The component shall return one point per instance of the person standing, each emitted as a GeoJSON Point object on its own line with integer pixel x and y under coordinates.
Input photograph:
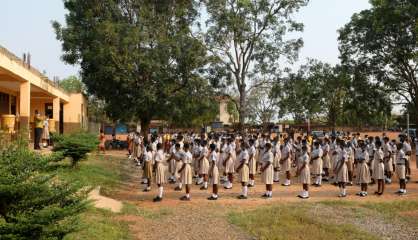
{"type": "Point", "coordinates": [39, 125]}
{"type": "Point", "coordinates": [186, 171]}
{"type": "Point", "coordinates": [401, 169]}
{"type": "Point", "coordinates": [214, 172]}
{"type": "Point", "coordinates": [159, 158]}
{"type": "Point", "coordinates": [267, 170]}
{"type": "Point", "coordinates": [363, 173]}
{"type": "Point", "coordinates": [303, 172]}
{"type": "Point", "coordinates": [243, 169]}
{"type": "Point", "coordinates": [379, 168]}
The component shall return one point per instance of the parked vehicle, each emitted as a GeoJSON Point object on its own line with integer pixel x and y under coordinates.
{"type": "Point", "coordinates": [116, 136]}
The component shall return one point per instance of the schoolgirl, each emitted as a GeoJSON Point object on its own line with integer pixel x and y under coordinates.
{"type": "Point", "coordinates": [303, 172]}
{"type": "Point", "coordinates": [213, 171]}
{"type": "Point", "coordinates": [267, 170]}
{"type": "Point", "coordinates": [363, 173]}
{"type": "Point", "coordinates": [316, 159]}
{"type": "Point", "coordinates": [159, 158]}
{"type": "Point", "coordinates": [243, 169]}
{"type": "Point", "coordinates": [379, 168]}
{"type": "Point", "coordinates": [147, 168]}
{"type": "Point", "coordinates": [186, 171]}
{"type": "Point", "coordinates": [340, 168]}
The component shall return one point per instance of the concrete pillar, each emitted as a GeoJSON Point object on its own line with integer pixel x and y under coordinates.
{"type": "Point", "coordinates": [56, 112]}
{"type": "Point", "coordinates": [24, 106]}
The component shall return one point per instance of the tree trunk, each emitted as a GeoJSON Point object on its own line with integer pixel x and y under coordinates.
{"type": "Point", "coordinates": [242, 108]}
{"type": "Point", "coordinates": [145, 128]}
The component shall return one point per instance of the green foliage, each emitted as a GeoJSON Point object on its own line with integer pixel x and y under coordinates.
{"type": "Point", "coordinates": [75, 145]}
{"type": "Point", "coordinates": [138, 55]}
{"type": "Point", "coordinates": [72, 84]}
{"type": "Point", "coordinates": [381, 42]}
{"type": "Point", "coordinates": [247, 40]}
{"type": "Point", "coordinates": [35, 204]}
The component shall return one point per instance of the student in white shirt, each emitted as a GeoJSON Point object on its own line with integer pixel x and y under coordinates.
{"type": "Point", "coordinates": [401, 169]}
{"type": "Point", "coordinates": [243, 169]}
{"type": "Point", "coordinates": [213, 171]}
{"type": "Point", "coordinates": [186, 171]}
{"type": "Point", "coordinates": [159, 158]}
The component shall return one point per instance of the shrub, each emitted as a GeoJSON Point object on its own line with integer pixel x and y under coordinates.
{"type": "Point", "coordinates": [34, 203]}
{"type": "Point", "coordinates": [75, 145]}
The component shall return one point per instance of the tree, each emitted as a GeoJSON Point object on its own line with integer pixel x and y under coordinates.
{"type": "Point", "coordinates": [262, 106]}
{"type": "Point", "coordinates": [72, 84]}
{"type": "Point", "coordinates": [138, 56]}
{"type": "Point", "coordinates": [382, 42]}
{"type": "Point", "coordinates": [246, 41]}
{"type": "Point", "coordinates": [34, 203]}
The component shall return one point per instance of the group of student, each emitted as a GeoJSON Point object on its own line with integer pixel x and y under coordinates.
{"type": "Point", "coordinates": [215, 159]}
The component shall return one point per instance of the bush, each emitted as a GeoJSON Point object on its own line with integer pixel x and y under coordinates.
{"type": "Point", "coordinates": [75, 146]}
{"type": "Point", "coordinates": [34, 203]}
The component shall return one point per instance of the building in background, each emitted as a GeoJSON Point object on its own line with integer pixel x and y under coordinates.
{"type": "Point", "coordinates": [24, 89]}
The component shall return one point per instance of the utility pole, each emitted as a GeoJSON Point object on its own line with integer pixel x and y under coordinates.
{"type": "Point", "coordinates": [407, 125]}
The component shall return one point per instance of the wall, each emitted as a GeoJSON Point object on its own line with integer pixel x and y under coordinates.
{"type": "Point", "coordinates": [75, 113]}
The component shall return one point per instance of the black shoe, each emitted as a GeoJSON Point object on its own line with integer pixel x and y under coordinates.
{"type": "Point", "coordinates": [212, 198]}
{"type": "Point", "coordinates": [203, 188]}
{"type": "Point", "coordinates": [264, 195]}
{"type": "Point", "coordinates": [249, 185]}
{"type": "Point", "coordinates": [157, 199]}
{"type": "Point", "coordinates": [242, 197]}
{"type": "Point", "coordinates": [228, 187]}
{"type": "Point", "coordinates": [184, 198]}
{"type": "Point", "coordinates": [146, 190]}
{"type": "Point", "coordinates": [177, 189]}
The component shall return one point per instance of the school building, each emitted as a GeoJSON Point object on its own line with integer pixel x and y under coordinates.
{"type": "Point", "coordinates": [23, 89]}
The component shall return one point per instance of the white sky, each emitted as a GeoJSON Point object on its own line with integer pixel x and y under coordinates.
{"type": "Point", "coordinates": [26, 27]}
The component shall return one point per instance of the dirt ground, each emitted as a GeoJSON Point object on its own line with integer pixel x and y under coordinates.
{"type": "Point", "coordinates": [203, 219]}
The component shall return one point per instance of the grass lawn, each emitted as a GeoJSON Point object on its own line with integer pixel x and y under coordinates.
{"type": "Point", "coordinates": [104, 171]}
{"type": "Point", "coordinates": [325, 220]}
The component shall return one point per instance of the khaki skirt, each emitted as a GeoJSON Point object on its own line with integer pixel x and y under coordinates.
{"type": "Point", "coordinates": [389, 165]}
{"type": "Point", "coordinates": [187, 175]}
{"type": "Point", "coordinates": [267, 175]}
{"type": "Point", "coordinates": [400, 171]}
{"type": "Point", "coordinates": [160, 174]}
{"type": "Point", "coordinates": [317, 166]}
{"type": "Point", "coordinates": [350, 164]}
{"type": "Point", "coordinates": [342, 175]}
{"type": "Point", "coordinates": [286, 165]}
{"type": "Point", "coordinates": [214, 176]}
{"type": "Point", "coordinates": [305, 176]}
{"type": "Point", "coordinates": [244, 174]}
{"type": "Point", "coordinates": [172, 166]}
{"type": "Point", "coordinates": [379, 171]}
{"type": "Point", "coordinates": [147, 169]}
{"type": "Point", "coordinates": [204, 166]}
{"type": "Point", "coordinates": [196, 164]}
{"type": "Point", "coordinates": [253, 166]}
{"type": "Point", "coordinates": [178, 166]}
{"type": "Point", "coordinates": [230, 166]}
{"type": "Point", "coordinates": [276, 163]}
{"type": "Point", "coordinates": [363, 173]}
{"type": "Point", "coordinates": [327, 162]}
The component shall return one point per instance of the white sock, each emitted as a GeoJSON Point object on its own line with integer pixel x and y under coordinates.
{"type": "Point", "coordinates": [344, 191]}
{"type": "Point", "coordinates": [245, 190]}
{"type": "Point", "coordinates": [270, 193]}
{"type": "Point", "coordinates": [306, 194]}
{"type": "Point", "coordinates": [205, 184]}
{"type": "Point", "coordinates": [214, 195]}
{"type": "Point", "coordinates": [180, 185]}
{"type": "Point", "coordinates": [160, 192]}
{"type": "Point", "coordinates": [276, 176]}
{"type": "Point", "coordinates": [252, 182]}
{"type": "Point", "coordinates": [320, 179]}
{"type": "Point", "coordinates": [187, 195]}
{"type": "Point", "coordinates": [145, 180]}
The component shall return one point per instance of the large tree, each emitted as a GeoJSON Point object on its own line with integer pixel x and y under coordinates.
{"type": "Point", "coordinates": [247, 42]}
{"type": "Point", "coordinates": [139, 56]}
{"type": "Point", "coordinates": [382, 42]}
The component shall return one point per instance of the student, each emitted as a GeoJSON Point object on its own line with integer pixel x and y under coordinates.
{"type": "Point", "coordinates": [363, 173]}
{"type": "Point", "coordinates": [102, 141]}
{"type": "Point", "coordinates": [316, 158]}
{"type": "Point", "coordinates": [213, 171]}
{"type": "Point", "coordinates": [147, 168]}
{"type": "Point", "coordinates": [243, 169]}
{"type": "Point", "coordinates": [350, 162]}
{"type": "Point", "coordinates": [387, 159]}
{"type": "Point", "coordinates": [172, 162]}
{"type": "Point", "coordinates": [407, 150]}
{"type": "Point", "coordinates": [229, 164]}
{"type": "Point", "coordinates": [303, 172]}
{"type": "Point", "coordinates": [252, 163]}
{"type": "Point", "coordinates": [379, 168]}
{"type": "Point", "coordinates": [222, 156]}
{"type": "Point", "coordinates": [286, 161]}
{"type": "Point", "coordinates": [204, 165]}
{"type": "Point", "coordinates": [371, 149]}
{"type": "Point", "coordinates": [340, 168]}
{"type": "Point", "coordinates": [186, 171]}
{"type": "Point", "coordinates": [326, 159]}
{"type": "Point", "coordinates": [159, 171]}
{"type": "Point", "coordinates": [196, 153]}
{"type": "Point", "coordinates": [276, 162]}
{"type": "Point", "coordinates": [401, 169]}
{"type": "Point", "coordinates": [267, 170]}
{"type": "Point", "coordinates": [178, 156]}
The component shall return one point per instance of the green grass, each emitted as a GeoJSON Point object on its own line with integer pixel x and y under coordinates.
{"type": "Point", "coordinates": [130, 209]}
{"type": "Point", "coordinates": [100, 224]}
{"type": "Point", "coordinates": [292, 222]}
{"type": "Point", "coordinates": [396, 209]}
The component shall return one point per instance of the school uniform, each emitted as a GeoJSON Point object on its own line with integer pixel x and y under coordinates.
{"type": "Point", "coordinates": [230, 164]}
{"type": "Point", "coordinates": [267, 175]}
{"type": "Point", "coordinates": [159, 158]}
{"type": "Point", "coordinates": [178, 163]}
{"type": "Point", "coordinates": [379, 166]}
{"type": "Point", "coordinates": [187, 172]}
{"type": "Point", "coordinates": [334, 151]}
{"type": "Point", "coordinates": [172, 163]}
{"type": "Point", "coordinates": [244, 171]}
{"type": "Point", "coordinates": [387, 152]}
{"type": "Point", "coordinates": [286, 158]}
{"type": "Point", "coordinates": [252, 160]}
{"type": "Point", "coordinates": [341, 162]}
{"type": "Point", "coordinates": [350, 160]}
{"type": "Point", "coordinates": [204, 162]}
{"type": "Point", "coordinates": [326, 158]}
{"type": "Point", "coordinates": [371, 149]}
{"type": "Point", "coordinates": [305, 174]}
{"type": "Point", "coordinates": [317, 163]}
{"type": "Point", "coordinates": [196, 153]}
{"type": "Point", "coordinates": [363, 173]}
{"type": "Point", "coordinates": [277, 156]}
{"type": "Point", "coordinates": [147, 165]}
{"type": "Point", "coordinates": [400, 164]}
{"type": "Point", "coordinates": [213, 159]}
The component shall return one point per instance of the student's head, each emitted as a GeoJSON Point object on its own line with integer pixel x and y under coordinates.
{"type": "Point", "coordinates": [304, 148]}
{"type": "Point", "coordinates": [399, 146]}
{"type": "Point", "coordinates": [245, 145]}
{"type": "Point", "coordinates": [177, 146]}
{"type": "Point", "coordinates": [316, 144]}
{"type": "Point", "coordinates": [251, 141]}
{"type": "Point", "coordinates": [204, 143]}
{"type": "Point", "coordinates": [378, 143]}
{"type": "Point", "coordinates": [149, 149]}
{"type": "Point", "coordinates": [159, 146]}
{"type": "Point", "coordinates": [36, 112]}
{"type": "Point", "coordinates": [268, 146]}
{"type": "Point", "coordinates": [186, 146]}
{"type": "Point", "coordinates": [386, 139]}
{"type": "Point", "coordinates": [212, 147]}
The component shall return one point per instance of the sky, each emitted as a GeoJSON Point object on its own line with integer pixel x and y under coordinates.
{"type": "Point", "coordinates": [26, 27]}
